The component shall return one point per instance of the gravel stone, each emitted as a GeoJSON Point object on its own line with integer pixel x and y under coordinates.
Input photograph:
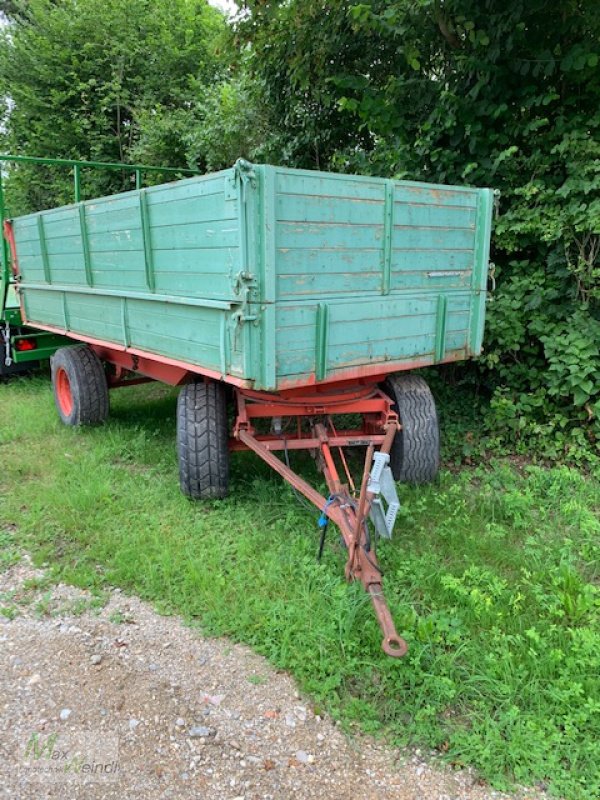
{"type": "Point", "coordinates": [200, 731]}
{"type": "Point", "coordinates": [264, 742]}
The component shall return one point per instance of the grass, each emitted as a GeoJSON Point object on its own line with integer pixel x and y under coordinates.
{"type": "Point", "coordinates": [492, 578]}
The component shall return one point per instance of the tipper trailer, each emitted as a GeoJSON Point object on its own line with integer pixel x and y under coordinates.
{"type": "Point", "coordinates": [299, 297]}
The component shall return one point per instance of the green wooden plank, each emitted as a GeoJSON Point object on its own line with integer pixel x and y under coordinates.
{"type": "Point", "coordinates": [317, 285]}
{"type": "Point", "coordinates": [103, 243]}
{"type": "Point", "coordinates": [32, 267]}
{"type": "Point", "coordinates": [312, 235]}
{"type": "Point", "coordinates": [435, 281]}
{"type": "Point", "coordinates": [295, 337]}
{"type": "Point", "coordinates": [328, 285]}
{"type": "Point", "coordinates": [300, 363]}
{"type": "Point", "coordinates": [102, 292]}
{"type": "Point", "coordinates": [312, 208]}
{"type": "Point", "coordinates": [378, 308]}
{"type": "Point", "coordinates": [435, 216]}
{"type": "Point", "coordinates": [430, 260]}
{"type": "Point", "coordinates": [196, 235]}
{"type": "Point", "coordinates": [301, 261]}
{"type": "Point", "coordinates": [328, 185]}
{"type": "Point", "coordinates": [164, 193]}
{"type": "Point", "coordinates": [45, 307]}
{"type": "Point", "coordinates": [427, 194]}
{"type": "Point", "coordinates": [195, 285]}
{"type": "Point", "coordinates": [433, 238]}
{"type": "Point", "coordinates": [199, 185]}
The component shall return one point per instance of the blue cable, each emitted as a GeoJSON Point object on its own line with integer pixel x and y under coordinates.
{"type": "Point", "coordinates": [324, 519]}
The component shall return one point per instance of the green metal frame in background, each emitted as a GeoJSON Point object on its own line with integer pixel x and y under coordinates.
{"type": "Point", "coordinates": [12, 315]}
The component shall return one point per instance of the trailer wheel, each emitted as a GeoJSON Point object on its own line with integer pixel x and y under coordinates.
{"type": "Point", "coordinates": [415, 453]}
{"type": "Point", "coordinates": [80, 387]}
{"type": "Point", "coordinates": [202, 442]}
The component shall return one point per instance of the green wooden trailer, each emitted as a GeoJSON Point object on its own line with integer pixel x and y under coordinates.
{"type": "Point", "coordinates": [267, 277]}
{"type": "Point", "coordinates": [310, 294]}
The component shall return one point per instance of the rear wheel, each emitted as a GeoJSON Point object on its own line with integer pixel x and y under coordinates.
{"type": "Point", "coordinates": [202, 442]}
{"type": "Point", "coordinates": [415, 453]}
{"type": "Point", "coordinates": [80, 387]}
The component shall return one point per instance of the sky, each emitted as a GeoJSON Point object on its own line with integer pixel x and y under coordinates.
{"type": "Point", "coordinates": [228, 6]}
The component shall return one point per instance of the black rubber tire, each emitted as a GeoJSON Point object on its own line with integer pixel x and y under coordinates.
{"type": "Point", "coordinates": [87, 383]}
{"type": "Point", "coordinates": [415, 453]}
{"type": "Point", "coordinates": [202, 441]}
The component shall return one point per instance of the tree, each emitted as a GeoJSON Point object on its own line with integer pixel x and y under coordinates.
{"type": "Point", "coordinates": [78, 74]}
{"type": "Point", "coordinates": [478, 91]}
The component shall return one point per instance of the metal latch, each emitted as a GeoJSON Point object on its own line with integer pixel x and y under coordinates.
{"type": "Point", "coordinates": [7, 351]}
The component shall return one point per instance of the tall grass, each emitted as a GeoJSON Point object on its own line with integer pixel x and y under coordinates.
{"type": "Point", "coordinates": [492, 578]}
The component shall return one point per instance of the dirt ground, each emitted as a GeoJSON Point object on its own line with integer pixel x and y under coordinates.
{"type": "Point", "coordinates": [119, 702]}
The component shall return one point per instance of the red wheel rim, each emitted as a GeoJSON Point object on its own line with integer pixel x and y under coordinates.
{"type": "Point", "coordinates": [63, 391]}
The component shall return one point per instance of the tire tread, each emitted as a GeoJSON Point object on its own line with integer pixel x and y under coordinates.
{"type": "Point", "coordinates": [88, 384]}
{"type": "Point", "coordinates": [415, 454]}
{"type": "Point", "coordinates": [202, 442]}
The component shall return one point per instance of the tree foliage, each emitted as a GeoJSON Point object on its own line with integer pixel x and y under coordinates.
{"type": "Point", "coordinates": [464, 91]}
{"type": "Point", "coordinates": [457, 91]}
{"type": "Point", "coordinates": [77, 75]}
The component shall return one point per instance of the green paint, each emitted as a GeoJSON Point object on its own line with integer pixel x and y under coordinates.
{"type": "Point", "coordinates": [483, 232]}
{"type": "Point", "coordinates": [65, 311]}
{"type": "Point", "coordinates": [440, 327]}
{"type": "Point", "coordinates": [147, 239]}
{"type": "Point", "coordinates": [43, 248]}
{"type": "Point", "coordinates": [266, 227]}
{"type": "Point", "coordinates": [125, 322]}
{"type": "Point", "coordinates": [322, 331]}
{"type": "Point", "coordinates": [46, 345]}
{"type": "Point", "coordinates": [97, 291]}
{"type": "Point", "coordinates": [388, 229]}
{"type": "Point", "coordinates": [269, 274]}
{"type": "Point", "coordinates": [85, 246]}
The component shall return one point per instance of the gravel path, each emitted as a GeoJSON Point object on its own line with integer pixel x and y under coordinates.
{"type": "Point", "coordinates": [119, 702]}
